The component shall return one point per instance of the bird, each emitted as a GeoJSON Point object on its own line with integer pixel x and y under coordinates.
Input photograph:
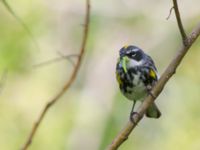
{"type": "Point", "coordinates": [136, 75]}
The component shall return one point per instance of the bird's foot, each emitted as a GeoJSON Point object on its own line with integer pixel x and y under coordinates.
{"type": "Point", "coordinates": [132, 114]}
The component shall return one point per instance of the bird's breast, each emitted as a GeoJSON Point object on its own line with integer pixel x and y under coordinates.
{"type": "Point", "coordinates": [131, 84]}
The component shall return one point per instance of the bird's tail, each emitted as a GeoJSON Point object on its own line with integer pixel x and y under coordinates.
{"type": "Point", "coordinates": [153, 111]}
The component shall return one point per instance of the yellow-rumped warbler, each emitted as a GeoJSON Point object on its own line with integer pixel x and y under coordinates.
{"type": "Point", "coordinates": [136, 74]}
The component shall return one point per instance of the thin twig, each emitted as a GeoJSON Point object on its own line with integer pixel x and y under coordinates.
{"type": "Point", "coordinates": [68, 58]}
{"type": "Point", "coordinates": [67, 85]}
{"type": "Point", "coordinates": [170, 12]}
{"type": "Point", "coordinates": [180, 25]}
{"type": "Point", "coordinates": [50, 61]}
{"type": "Point", "coordinates": [123, 135]}
{"type": "Point", "coordinates": [22, 23]}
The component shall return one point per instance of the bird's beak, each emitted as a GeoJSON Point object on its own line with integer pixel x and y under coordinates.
{"type": "Point", "coordinates": [124, 60]}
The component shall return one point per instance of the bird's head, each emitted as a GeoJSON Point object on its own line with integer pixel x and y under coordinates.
{"type": "Point", "coordinates": [130, 56]}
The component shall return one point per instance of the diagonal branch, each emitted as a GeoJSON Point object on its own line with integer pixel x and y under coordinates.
{"type": "Point", "coordinates": [67, 85]}
{"type": "Point", "coordinates": [170, 70]}
{"type": "Point", "coordinates": [180, 25]}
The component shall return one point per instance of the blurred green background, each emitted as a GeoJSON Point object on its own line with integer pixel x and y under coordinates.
{"type": "Point", "coordinates": [93, 111]}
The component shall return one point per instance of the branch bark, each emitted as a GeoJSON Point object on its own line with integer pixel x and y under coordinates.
{"type": "Point", "coordinates": [170, 70]}
{"type": "Point", "coordinates": [67, 85]}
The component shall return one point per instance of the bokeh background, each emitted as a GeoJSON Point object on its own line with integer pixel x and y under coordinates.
{"type": "Point", "coordinates": [93, 111]}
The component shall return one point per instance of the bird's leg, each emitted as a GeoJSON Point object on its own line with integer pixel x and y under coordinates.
{"type": "Point", "coordinates": [133, 113]}
{"type": "Point", "coordinates": [132, 109]}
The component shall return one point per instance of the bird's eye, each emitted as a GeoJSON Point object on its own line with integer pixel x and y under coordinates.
{"type": "Point", "coordinates": [133, 54]}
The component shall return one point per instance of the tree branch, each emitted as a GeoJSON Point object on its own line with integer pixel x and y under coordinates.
{"type": "Point", "coordinates": [180, 25]}
{"type": "Point", "coordinates": [170, 70]}
{"type": "Point", "coordinates": [67, 85]}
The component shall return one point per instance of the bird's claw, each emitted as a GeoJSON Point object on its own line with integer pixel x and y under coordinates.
{"type": "Point", "coordinates": [132, 117]}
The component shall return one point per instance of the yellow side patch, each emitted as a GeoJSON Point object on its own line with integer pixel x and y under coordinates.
{"type": "Point", "coordinates": [118, 78]}
{"type": "Point", "coordinates": [152, 73]}
{"type": "Point", "coordinates": [126, 46]}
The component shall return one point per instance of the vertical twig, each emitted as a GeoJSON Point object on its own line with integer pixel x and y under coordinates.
{"type": "Point", "coordinates": [67, 85]}
{"type": "Point", "coordinates": [180, 25]}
